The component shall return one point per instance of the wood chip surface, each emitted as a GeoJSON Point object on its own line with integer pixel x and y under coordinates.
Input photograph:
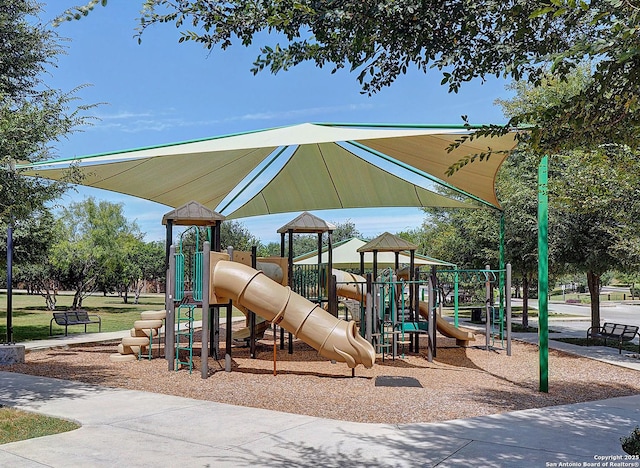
{"type": "Point", "coordinates": [459, 383]}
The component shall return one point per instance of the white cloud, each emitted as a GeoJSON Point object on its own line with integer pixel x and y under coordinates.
{"type": "Point", "coordinates": [136, 122]}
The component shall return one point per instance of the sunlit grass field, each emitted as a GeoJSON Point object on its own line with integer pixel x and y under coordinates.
{"type": "Point", "coordinates": [31, 318]}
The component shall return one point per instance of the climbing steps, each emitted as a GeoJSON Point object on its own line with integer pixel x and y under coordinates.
{"type": "Point", "coordinates": [143, 335]}
{"type": "Point", "coordinates": [184, 336]}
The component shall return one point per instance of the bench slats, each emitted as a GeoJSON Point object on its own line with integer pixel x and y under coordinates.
{"type": "Point", "coordinates": [74, 317]}
{"type": "Point", "coordinates": [617, 331]}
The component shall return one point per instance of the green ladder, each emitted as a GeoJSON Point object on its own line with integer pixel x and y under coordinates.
{"type": "Point", "coordinates": [184, 320]}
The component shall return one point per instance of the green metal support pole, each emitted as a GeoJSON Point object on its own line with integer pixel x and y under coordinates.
{"type": "Point", "coordinates": [543, 272]}
{"type": "Point", "coordinates": [455, 298]}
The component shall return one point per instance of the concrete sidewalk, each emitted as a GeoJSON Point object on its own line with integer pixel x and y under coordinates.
{"type": "Point", "coordinates": [138, 429]}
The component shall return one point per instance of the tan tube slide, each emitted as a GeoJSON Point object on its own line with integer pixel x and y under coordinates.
{"type": "Point", "coordinates": [333, 338]}
{"type": "Point", "coordinates": [349, 285]}
{"type": "Point", "coordinates": [462, 336]}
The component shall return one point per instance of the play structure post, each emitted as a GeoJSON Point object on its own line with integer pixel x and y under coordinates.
{"type": "Point", "coordinates": [416, 341]}
{"type": "Point", "coordinates": [368, 310]}
{"type": "Point", "coordinates": [507, 295]}
{"type": "Point", "coordinates": [252, 315]}
{"type": "Point", "coordinates": [501, 267]}
{"type": "Point", "coordinates": [275, 351]}
{"type": "Point", "coordinates": [543, 272]}
{"type": "Point", "coordinates": [168, 242]}
{"type": "Point", "coordinates": [169, 324]}
{"type": "Point", "coordinates": [206, 274]}
{"type": "Point", "coordinates": [455, 297]}
{"type": "Point", "coordinates": [487, 306]}
{"type": "Point", "coordinates": [228, 332]}
{"type": "Point", "coordinates": [432, 322]}
{"type": "Point", "coordinates": [227, 352]}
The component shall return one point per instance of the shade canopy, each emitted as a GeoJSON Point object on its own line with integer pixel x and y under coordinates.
{"type": "Point", "coordinates": [345, 255]}
{"type": "Point", "coordinates": [296, 168]}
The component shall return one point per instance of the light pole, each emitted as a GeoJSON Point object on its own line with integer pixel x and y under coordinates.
{"type": "Point", "coordinates": [11, 167]}
{"type": "Point", "coordinates": [10, 281]}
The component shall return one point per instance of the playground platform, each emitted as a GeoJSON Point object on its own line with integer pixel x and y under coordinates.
{"type": "Point", "coordinates": [134, 428]}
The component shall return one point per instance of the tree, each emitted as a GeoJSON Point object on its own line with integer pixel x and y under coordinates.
{"type": "Point", "coordinates": [593, 197]}
{"type": "Point", "coordinates": [33, 241]}
{"type": "Point", "coordinates": [90, 250]}
{"type": "Point", "coordinates": [463, 40]}
{"type": "Point", "coordinates": [235, 233]}
{"type": "Point", "coordinates": [517, 190]}
{"type": "Point", "coordinates": [303, 243]}
{"type": "Point", "coordinates": [593, 208]}
{"type": "Point", "coordinates": [32, 115]}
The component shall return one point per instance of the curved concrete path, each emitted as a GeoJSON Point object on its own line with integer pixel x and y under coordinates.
{"type": "Point", "coordinates": [137, 429]}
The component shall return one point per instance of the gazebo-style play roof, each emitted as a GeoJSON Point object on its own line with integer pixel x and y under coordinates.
{"type": "Point", "coordinates": [387, 242]}
{"type": "Point", "coordinates": [307, 223]}
{"type": "Point", "coordinates": [192, 214]}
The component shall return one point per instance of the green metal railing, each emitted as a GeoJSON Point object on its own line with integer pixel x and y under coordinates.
{"type": "Point", "coordinates": [197, 276]}
{"type": "Point", "coordinates": [179, 286]}
{"type": "Point", "coordinates": [310, 282]}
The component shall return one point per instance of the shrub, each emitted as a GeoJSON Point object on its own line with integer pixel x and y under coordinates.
{"type": "Point", "coordinates": [631, 444]}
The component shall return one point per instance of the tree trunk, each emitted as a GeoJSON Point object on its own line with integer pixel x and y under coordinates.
{"type": "Point", "coordinates": [593, 282]}
{"type": "Point", "coordinates": [525, 301]}
{"type": "Point", "coordinates": [77, 300]}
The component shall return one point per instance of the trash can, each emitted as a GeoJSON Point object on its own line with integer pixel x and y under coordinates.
{"type": "Point", "coordinates": [476, 314]}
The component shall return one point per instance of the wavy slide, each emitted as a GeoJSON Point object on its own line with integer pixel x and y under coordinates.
{"type": "Point", "coordinates": [333, 338]}
{"type": "Point", "coordinates": [349, 286]}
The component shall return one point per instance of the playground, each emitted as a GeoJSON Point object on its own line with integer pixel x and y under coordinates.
{"type": "Point", "coordinates": [389, 358]}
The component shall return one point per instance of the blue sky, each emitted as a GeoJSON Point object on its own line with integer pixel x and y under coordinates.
{"type": "Point", "coordinates": [160, 92]}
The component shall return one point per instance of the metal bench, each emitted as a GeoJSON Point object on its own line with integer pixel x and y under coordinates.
{"type": "Point", "coordinates": [615, 331]}
{"type": "Point", "coordinates": [74, 317]}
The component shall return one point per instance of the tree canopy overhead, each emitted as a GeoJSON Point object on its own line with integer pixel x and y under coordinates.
{"type": "Point", "coordinates": [32, 115]}
{"type": "Point", "coordinates": [462, 39]}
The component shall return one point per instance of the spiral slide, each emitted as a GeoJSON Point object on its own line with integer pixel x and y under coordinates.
{"type": "Point", "coordinates": [349, 285]}
{"type": "Point", "coordinates": [333, 338]}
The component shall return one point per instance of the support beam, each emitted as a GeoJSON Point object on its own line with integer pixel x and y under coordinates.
{"type": "Point", "coordinates": [206, 274]}
{"type": "Point", "coordinates": [543, 272]}
{"type": "Point", "coordinates": [170, 320]}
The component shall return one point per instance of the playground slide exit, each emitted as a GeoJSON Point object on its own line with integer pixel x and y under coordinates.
{"type": "Point", "coordinates": [349, 285]}
{"type": "Point", "coordinates": [446, 328]}
{"type": "Point", "coordinates": [333, 338]}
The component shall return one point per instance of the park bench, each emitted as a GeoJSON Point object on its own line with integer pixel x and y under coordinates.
{"type": "Point", "coordinates": [614, 331]}
{"type": "Point", "coordinates": [74, 317]}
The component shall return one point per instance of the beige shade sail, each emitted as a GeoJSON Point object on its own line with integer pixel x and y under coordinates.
{"type": "Point", "coordinates": [329, 166]}
{"type": "Point", "coordinates": [345, 255]}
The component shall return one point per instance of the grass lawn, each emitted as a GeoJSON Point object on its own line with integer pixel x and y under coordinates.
{"type": "Point", "coordinates": [31, 318]}
{"type": "Point", "coordinates": [18, 425]}
{"type": "Point", "coordinates": [626, 346]}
